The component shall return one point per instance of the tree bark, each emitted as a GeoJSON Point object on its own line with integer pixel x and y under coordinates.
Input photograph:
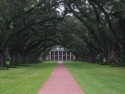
{"type": "Point", "coordinates": [2, 60]}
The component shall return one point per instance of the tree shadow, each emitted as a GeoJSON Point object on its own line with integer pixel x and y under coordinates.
{"type": "Point", "coordinates": [122, 66]}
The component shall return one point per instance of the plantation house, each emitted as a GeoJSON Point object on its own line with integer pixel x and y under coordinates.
{"type": "Point", "coordinates": [59, 53]}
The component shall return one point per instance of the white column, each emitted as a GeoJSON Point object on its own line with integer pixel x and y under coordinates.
{"type": "Point", "coordinates": [74, 57]}
{"type": "Point", "coordinates": [66, 55]}
{"type": "Point", "coordinates": [54, 55]}
{"type": "Point", "coordinates": [70, 56]}
{"type": "Point", "coordinates": [58, 55]}
{"type": "Point", "coordinates": [50, 55]}
{"type": "Point", "coordinates": [62, 55]}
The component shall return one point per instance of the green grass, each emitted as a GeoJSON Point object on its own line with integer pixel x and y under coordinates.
{"type": "Point", "coordinates": [25, 79]}
{"type": "Point", "coordinates": [98, 79]}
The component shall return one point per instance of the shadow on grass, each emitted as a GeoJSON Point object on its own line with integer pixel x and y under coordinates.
{"type": "Point", "coordinates": [37, 65]}
{"type": "Point", "coordinates": [93, 65]}
{"type": "Point", "coordinates": [122, 66]}
{"type": "Point", "coordinates": [25, 65]}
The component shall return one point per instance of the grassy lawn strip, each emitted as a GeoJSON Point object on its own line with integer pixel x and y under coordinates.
{"type": "Point", "coordinates": [98, 79]}
{"type": "Point", "coordinates": [25, 79]}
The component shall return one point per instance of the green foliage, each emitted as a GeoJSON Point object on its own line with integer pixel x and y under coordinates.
{"type": "Point", "coordinates": [104, 22]}
{"type": "Point", "coordinates": [89, 28]}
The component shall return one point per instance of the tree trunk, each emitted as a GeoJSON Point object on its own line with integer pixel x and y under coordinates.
{"type": "Point", "coordinates": [23, 56]}
{"type": "Point", "coordinates": [2, 60]}
{"type": "Point", "coordinates": [14, 58]}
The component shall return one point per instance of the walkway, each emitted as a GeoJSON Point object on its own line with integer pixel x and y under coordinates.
{"type": "Point", "coordinates": [60, 82]}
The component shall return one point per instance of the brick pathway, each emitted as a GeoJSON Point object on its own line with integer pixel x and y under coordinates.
{"type": "Point", "coordinates": [60, 82]}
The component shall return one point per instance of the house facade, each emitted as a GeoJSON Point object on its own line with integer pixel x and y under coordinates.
{"type": "Point", "coordinates": [59, 53]}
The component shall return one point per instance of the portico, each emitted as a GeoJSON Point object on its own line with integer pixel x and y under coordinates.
{"type": "Point", "coordinates": [59, 53]}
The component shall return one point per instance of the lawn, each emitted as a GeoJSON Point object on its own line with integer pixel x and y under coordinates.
{"type": "Point", "coordinates": [98, 79]}
{"type": "Point", "coordinates": [25, 79]}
